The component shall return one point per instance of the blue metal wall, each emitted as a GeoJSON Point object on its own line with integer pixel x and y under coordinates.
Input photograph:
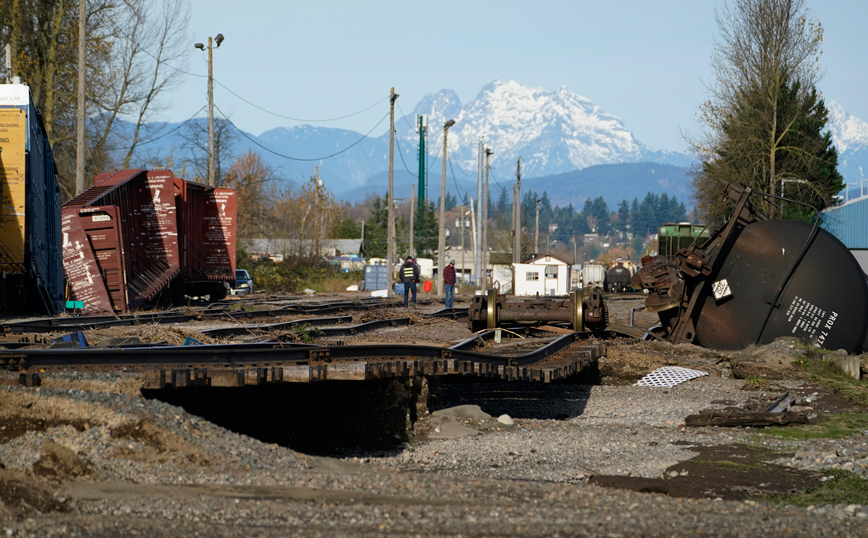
{"type": "Point", "coordinates": [849, 223]}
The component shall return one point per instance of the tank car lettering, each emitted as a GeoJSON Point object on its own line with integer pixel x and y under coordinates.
{"type": "Point", "coordinates": [807, 318]}
{"type": "Point", "coordinates": [831, 321]}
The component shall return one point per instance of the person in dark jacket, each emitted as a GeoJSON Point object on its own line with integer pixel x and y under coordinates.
{"type": "Point", "coordinates": [449, 283]}
{"type": "Point", "coordinates": [409, 274]}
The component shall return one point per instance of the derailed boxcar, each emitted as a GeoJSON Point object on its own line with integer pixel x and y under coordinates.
{"type": "Point", "coordinates": [124, 231]}
{"type": "Point", "coordinates": [206, 239]}
{"type": "Point", "coordinates": [30, 259]}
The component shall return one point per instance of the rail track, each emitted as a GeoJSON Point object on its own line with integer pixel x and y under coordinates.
{"type": "Point", "coordinates": [268, 353]}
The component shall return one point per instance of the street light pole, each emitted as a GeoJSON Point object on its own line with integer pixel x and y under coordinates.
{"type": "Point", "coordinates": [536, 233]}
{"type": "Point", "coordinates": [215, 44]}
{"type": "Point", "coordinates": [484, 273]}
{"type": "Point", "coordinates": [441, 236]}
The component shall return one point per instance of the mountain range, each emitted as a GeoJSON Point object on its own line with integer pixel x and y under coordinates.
{"type": "Point", "coordinates": [568, 146]}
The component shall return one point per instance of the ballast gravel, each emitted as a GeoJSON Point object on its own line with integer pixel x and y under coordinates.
{"type": "Point", "coordinates": [117, 464]}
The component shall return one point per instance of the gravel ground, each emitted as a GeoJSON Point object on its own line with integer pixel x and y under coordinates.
{"type": "Point", "coordinates": [85, 455]}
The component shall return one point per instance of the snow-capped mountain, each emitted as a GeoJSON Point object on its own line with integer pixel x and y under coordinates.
{"type": "Point", "coordinates": [848, 131]}
{"type": "Point", "coordinates": [553, 132]}
{"type": "Point", "coordinates": [850, 136]}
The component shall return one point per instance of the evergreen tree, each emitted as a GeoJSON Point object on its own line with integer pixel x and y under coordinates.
{"type": "Point", "coordinates": [545, 211]}
{"type": "Point", "coordinates": [376, 239]}
{"type": "Point", "coordinates": [503, 211]}
{"type": "Point", "coordinates": [624, 215]}
{"type": "Point", "coordinates": [426, 230]}
{"type": "Point", "coordinates": [345, 228]}
{"type": "Point", "coordinates": [764, 120]}
{"type": "Point", "coordinates": [450, 201]}
{"type": "Point", "coordinates": [376, 231]}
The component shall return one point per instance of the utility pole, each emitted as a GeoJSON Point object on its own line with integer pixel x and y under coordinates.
{"type": "Point", "coordinates": [79, 128]}
{"type": "Point", "coordinates": [390, 249]}
{"type": "Point", "coordinates": [422, 124]}
{"type": "Point", "coordinates": [318, 227]}
{"type": "Point", "coordinates": [473, 235]}
{"type": "Point", "coordinates": [8, 49]}
{"type": "Point", "coordinates": [477, 233]}
{"type": "Point", "coordinates": [441, 236]}
{"type": "Point", "coordinates": [516, 223]}
{"type": "Point", "coordinates": [218, 40]}
{"type": "Point", "coordinates": [536, 234]}
{"type": "Point", "coordinates": [211, 168]}
{"type": "Point", "coordinates": [461, 224]}
{"type": "Point", "coordinates": [484, 272]}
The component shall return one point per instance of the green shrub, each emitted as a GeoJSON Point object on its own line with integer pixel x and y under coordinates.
{"type": "Point", "coordinates": [296, 274]}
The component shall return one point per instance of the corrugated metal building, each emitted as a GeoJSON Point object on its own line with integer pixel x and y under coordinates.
{"type": "Point", "coordinates": [849, 223]}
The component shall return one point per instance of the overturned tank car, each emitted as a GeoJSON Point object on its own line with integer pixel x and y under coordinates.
{"type": "Point", "coordinates": [757, 279]}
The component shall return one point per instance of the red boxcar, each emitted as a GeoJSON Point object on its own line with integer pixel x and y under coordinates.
{"type": "Point", "coordinates": [139, 236]}
{"type": "Point", "coordinates": [206, 226]}
{"type": "Point", "coordinates": [93, 258]}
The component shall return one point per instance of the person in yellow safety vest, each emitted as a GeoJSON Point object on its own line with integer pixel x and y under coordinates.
{"type": "Point", "coordinates": [409, 274]}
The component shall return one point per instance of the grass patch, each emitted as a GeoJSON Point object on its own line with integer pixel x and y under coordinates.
{"type": "Point", "coordinates": [821, 368]}
{"type": "Point", "coordinates": [831, 426]}
{"type": "Point", "coordinates": [296, 274]}
{"type": "Point", "coordinates": [306, 333]}
{"type": "Point", "coordinates": [755, 382]}
{"type": "Point", "coordinates": [843, 488]}
{"type": "Point", "coordinates": [330, 281]}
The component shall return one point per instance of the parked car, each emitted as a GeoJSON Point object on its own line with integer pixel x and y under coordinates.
{"type": "Point", "coordinates": [243, 282]}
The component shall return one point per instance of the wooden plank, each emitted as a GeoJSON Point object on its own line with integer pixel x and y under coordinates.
{"type": "Point", "coordinates": [747, 419]}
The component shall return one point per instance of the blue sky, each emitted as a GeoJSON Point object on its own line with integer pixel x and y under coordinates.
{"type": "Point", "coordinates": [646, 62]}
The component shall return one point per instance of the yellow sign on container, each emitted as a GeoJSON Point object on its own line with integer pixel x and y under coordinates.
{"type": "Point", "coordinates": [13, 139]}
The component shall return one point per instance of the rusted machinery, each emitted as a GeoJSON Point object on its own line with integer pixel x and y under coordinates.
{"type": "Point", "coordinates": [583, 310]}
{"type": "Point", "coordinates": [757, 279]}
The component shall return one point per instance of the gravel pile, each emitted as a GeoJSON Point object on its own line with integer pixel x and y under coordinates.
{"type": "Point", "coordinates": [620, 430]}
{"type": "Point", "coordinates": [116, 464]}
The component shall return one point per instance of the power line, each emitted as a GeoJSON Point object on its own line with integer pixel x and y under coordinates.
{"type": "Point", "coordinates": [401, 153]}
{"type": "Point", "coordinates": [462, 171]}
{"type": "Point", "coordinates": [460, 190]}
{"type": "Point", "coordinates": [434, 160]}
{"type": "Point", "coordinates": [296, 158]}
{"type": "Point", "coordinates": [119, 29]}
{"type": "Point", "coordinates": [491, 173]}
{"type": "Point", "coordinates": [404, 117]}
{"type": "Point", "coordinates": [162, 135]}
{"type": "Point", "coordinates": [299, 119]}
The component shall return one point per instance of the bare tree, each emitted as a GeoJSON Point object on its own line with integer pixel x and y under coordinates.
{"type": "Point", "coordinates": [195, 136]}
{"type": "Point", "coordinates": [255, 185]}
{"type": "Point", "coordinates": [303, 217]}
{"type": "Point", "coordinates": [150, 38]}
{"type": "Point", "coordinates": [130, 46]}
{"type": "Point", "coordinates": [766, 67]}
